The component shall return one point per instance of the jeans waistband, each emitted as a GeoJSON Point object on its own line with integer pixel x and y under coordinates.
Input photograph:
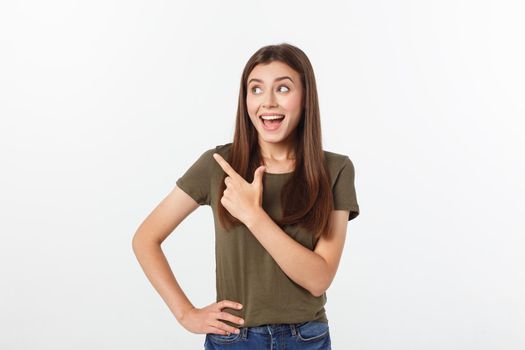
{"type": "Point", "coordinates": [271, 328]}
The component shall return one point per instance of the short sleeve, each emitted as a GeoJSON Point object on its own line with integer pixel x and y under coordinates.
{"type": "Point", "coordinates": [344, 192]}
{"type": "Point", "coordinates": [196, 180]}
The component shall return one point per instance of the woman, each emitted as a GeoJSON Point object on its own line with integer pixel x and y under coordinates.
{"type": "Point", "coordinates": [281, 205]}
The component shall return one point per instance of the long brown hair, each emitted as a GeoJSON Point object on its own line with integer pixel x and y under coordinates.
{"type": "Point", "coordinates": [306, 198]}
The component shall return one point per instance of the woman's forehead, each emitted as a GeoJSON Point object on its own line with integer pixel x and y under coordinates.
{"type": "Point", "coordinates": [270, 71]}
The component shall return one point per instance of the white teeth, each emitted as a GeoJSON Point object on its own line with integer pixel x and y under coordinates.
{"type": "Point", "coordinates": [271, 117]}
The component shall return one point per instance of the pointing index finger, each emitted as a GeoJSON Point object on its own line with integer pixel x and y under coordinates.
{"type": "Point", "coordinates": [225, 165]}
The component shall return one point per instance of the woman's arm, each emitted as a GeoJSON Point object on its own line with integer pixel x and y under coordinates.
{"type": "Point", "coordinates": [147, 242]}
{"type": "Point", "coordinates": [313, 270]}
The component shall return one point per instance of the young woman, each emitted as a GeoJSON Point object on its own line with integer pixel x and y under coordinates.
{"type": "Point", "coordinates": [280, 204]}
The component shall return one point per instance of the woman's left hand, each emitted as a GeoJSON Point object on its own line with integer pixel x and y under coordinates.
{"type": "Point", "coordinates": [242, 199]}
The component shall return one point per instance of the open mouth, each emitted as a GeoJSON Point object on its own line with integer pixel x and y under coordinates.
{"type": "Point", "coordinates": [272, 122]}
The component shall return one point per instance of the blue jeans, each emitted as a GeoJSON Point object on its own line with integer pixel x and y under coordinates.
{"type": "Point", "coordinates": [311, 335]}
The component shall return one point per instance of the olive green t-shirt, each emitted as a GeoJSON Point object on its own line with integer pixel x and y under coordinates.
{"type": "Point", "coordinates": [245, 271]}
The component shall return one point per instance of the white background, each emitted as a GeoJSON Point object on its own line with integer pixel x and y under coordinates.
{"type": "Point", "coordinates": [104, 104]}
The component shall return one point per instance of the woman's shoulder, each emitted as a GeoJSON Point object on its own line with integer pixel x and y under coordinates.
{"type": "Point", "coordinates": [337, 161]}
{"type": "Point", "coordinates": [223, 148]}
{"type": "Point", "coordinates": [206, 159]}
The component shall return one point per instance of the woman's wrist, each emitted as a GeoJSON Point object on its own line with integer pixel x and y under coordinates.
{"type": "Point", "coordinates": [182, 312]}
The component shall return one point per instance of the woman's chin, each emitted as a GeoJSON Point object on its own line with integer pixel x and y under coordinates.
{"type": "Point", "coordinates": [273, 138]}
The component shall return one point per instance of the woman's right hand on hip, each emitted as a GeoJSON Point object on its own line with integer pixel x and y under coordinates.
{"type": "Point", "coordinates": [207, 319]}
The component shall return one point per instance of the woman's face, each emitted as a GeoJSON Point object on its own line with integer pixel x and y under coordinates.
{"type": "Point", "coordinates": [274, 89]}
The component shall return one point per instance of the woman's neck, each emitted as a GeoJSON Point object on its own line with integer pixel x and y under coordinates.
{"type": "Point", "coordinates": [278, 152]}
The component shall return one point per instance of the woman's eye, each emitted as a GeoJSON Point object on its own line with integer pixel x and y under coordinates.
{"type": "Point", "coordinates": [281, 86]}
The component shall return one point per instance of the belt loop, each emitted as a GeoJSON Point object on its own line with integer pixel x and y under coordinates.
{"type": "Point", "coordinates": [244, 332]}
{"type": "Point", "coordinates": [292, 328]}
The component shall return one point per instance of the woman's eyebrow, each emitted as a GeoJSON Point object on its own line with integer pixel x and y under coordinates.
{"type": "Point", "coordinates": [276, 79]}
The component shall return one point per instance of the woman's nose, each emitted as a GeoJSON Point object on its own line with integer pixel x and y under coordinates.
{"type": "Point", "coordinates": [269, 100]}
